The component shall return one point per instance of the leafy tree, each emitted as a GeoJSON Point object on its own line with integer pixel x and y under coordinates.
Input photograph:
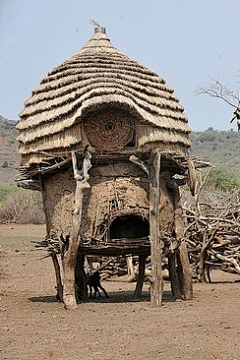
{"type": "Point", "coordinates": [223, 180]}
{"type": "Point", "coordinates": [21, 206]}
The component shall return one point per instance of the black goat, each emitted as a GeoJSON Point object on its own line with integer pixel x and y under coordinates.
{"type": "Point", "coordinates": [93, 281]}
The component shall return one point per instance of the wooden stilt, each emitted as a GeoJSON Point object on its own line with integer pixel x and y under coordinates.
{"type": "Point", "coordinates": [59, 286]}
{"type": "Point", "coordinates": [185, 277]}
{"type": "Point", "coordinates": [141, 274]}
{"type": "Point", "coordinates": [180, 272]}
{"type": "Point", "coordinates": [156, 244]}
{"type": "Point", "coordinates": [70, 257]}
{"type": "Point", "coordinates": [185, 271]}
{"type": "Point", "coordinates": [130, 266]}
{"type": "Point", "coordinates": [80, 278]}
{"type": "Point", "coordinates": [173, 276]}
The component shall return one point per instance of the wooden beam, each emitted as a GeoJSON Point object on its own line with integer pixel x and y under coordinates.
{"type": "Point", "coordinates": [155, 242]}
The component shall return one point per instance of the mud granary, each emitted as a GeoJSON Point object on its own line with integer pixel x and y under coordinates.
{"type": "Point", "coordinates": [105, 140]}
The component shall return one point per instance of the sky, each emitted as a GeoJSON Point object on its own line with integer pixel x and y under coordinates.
{"type": "Point", "coordinates": [184, 41]}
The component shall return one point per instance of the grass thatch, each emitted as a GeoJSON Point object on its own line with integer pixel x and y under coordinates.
{"type": "Point", "coordinates": [99, 75]}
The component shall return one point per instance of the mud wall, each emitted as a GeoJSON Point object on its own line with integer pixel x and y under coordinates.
{"type": "Point", "coordinates": [116, 190]}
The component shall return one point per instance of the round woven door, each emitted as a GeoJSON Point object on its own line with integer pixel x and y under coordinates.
{"type": "Point", "coordinates": [109, 130]}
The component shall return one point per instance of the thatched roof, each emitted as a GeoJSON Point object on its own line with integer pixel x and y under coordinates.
{"type": "Point", "coordinates": [99, 76]}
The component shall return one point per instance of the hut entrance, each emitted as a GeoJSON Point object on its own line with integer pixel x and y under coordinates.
{"type": "Point", "coordinates": [129, 226]}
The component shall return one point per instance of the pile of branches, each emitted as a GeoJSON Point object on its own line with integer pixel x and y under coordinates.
{"type": "Point", "coordinates": [212, 232]}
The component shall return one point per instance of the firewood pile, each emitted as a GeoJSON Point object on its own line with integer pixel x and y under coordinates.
{"type": "Point", "coordinates": [212, 233]}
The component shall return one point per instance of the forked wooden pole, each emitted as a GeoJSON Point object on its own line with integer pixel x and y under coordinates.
{"type": "Point", "coordinates": [155, 242]}
{"type": "Point", "coordinates": [70, 257]}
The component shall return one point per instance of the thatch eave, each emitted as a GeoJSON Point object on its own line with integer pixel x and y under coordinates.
{"type": "Point", "coordinates": [149, 113]}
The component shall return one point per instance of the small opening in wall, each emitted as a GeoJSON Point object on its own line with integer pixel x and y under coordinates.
{"type": "Point", "coordinates": [110, 126]}
{"type": "Point", "coordinates": [132, 143]}
{"type": "Point", "coordinates": [129, 226]}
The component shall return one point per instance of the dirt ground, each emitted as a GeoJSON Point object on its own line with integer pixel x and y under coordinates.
{"type": "Point", "coordinates": [35, 326]}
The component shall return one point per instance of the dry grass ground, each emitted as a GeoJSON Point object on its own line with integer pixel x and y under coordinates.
{"type": "Point", "coordinates": [35, 326]}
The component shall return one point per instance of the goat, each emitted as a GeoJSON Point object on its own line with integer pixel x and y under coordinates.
{"type": "Point", "coordinates": [93, 281]}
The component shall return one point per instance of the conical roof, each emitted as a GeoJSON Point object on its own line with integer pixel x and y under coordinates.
{"type": "Point", "coordinates": [98, 75]}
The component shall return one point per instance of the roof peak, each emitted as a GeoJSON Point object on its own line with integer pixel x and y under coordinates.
{"type": "Point", "coordinates": [99, 41]}
{"type": "Point", "coordinates": [100, 29]}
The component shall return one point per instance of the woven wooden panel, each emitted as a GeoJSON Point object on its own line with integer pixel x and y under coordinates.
{"type": "Point", "coordinates": [109, 129]}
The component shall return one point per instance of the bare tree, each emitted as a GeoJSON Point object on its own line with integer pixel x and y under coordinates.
{"type": "Point", "coordinates": [232, 97]}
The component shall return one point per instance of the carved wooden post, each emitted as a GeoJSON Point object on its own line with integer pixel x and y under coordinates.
{"type": "Point", "coordinates": [70, 257]}
{"type": "Point", "coordinates": [156, 244]}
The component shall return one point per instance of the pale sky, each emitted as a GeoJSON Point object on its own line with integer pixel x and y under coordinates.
{"type": "Point", "coordinates": [183, 41]}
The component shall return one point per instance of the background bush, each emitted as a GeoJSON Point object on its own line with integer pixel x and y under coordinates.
{"type": "Point", "coordinates": [21, 206]}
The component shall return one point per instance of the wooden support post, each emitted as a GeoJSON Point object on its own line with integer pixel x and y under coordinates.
{"type": "Point", "coordinates": [80, 278]}
{"type": "Point", "coordinates": [59, 286]}
{"type": "Point", "coordinates": [130, 267]}
{"type": "Point", "coordinates": [141, 274]}
{"type": "Point", "coordinates": [173, 276]}
{"type": "Point", "coordinates": [70, 257]}
{"type": "Point", "coordinates": [155, 242]}
{"type": "Point", "coordinates": [184, 267]}
{"type": "Point", "coordinates": [184, 272]}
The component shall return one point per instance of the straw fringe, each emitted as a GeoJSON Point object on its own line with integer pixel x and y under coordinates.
{"type": "Point", "coordinates": [61, 122]}
{"type": "Point", "coordinates": [115, 93]}
{"type": "Point", "coordinates": [45, 100]}
{"type": "Point", "coordinates": [61, 141]}
{"type": "Point", "coordinates": [160, 99]}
